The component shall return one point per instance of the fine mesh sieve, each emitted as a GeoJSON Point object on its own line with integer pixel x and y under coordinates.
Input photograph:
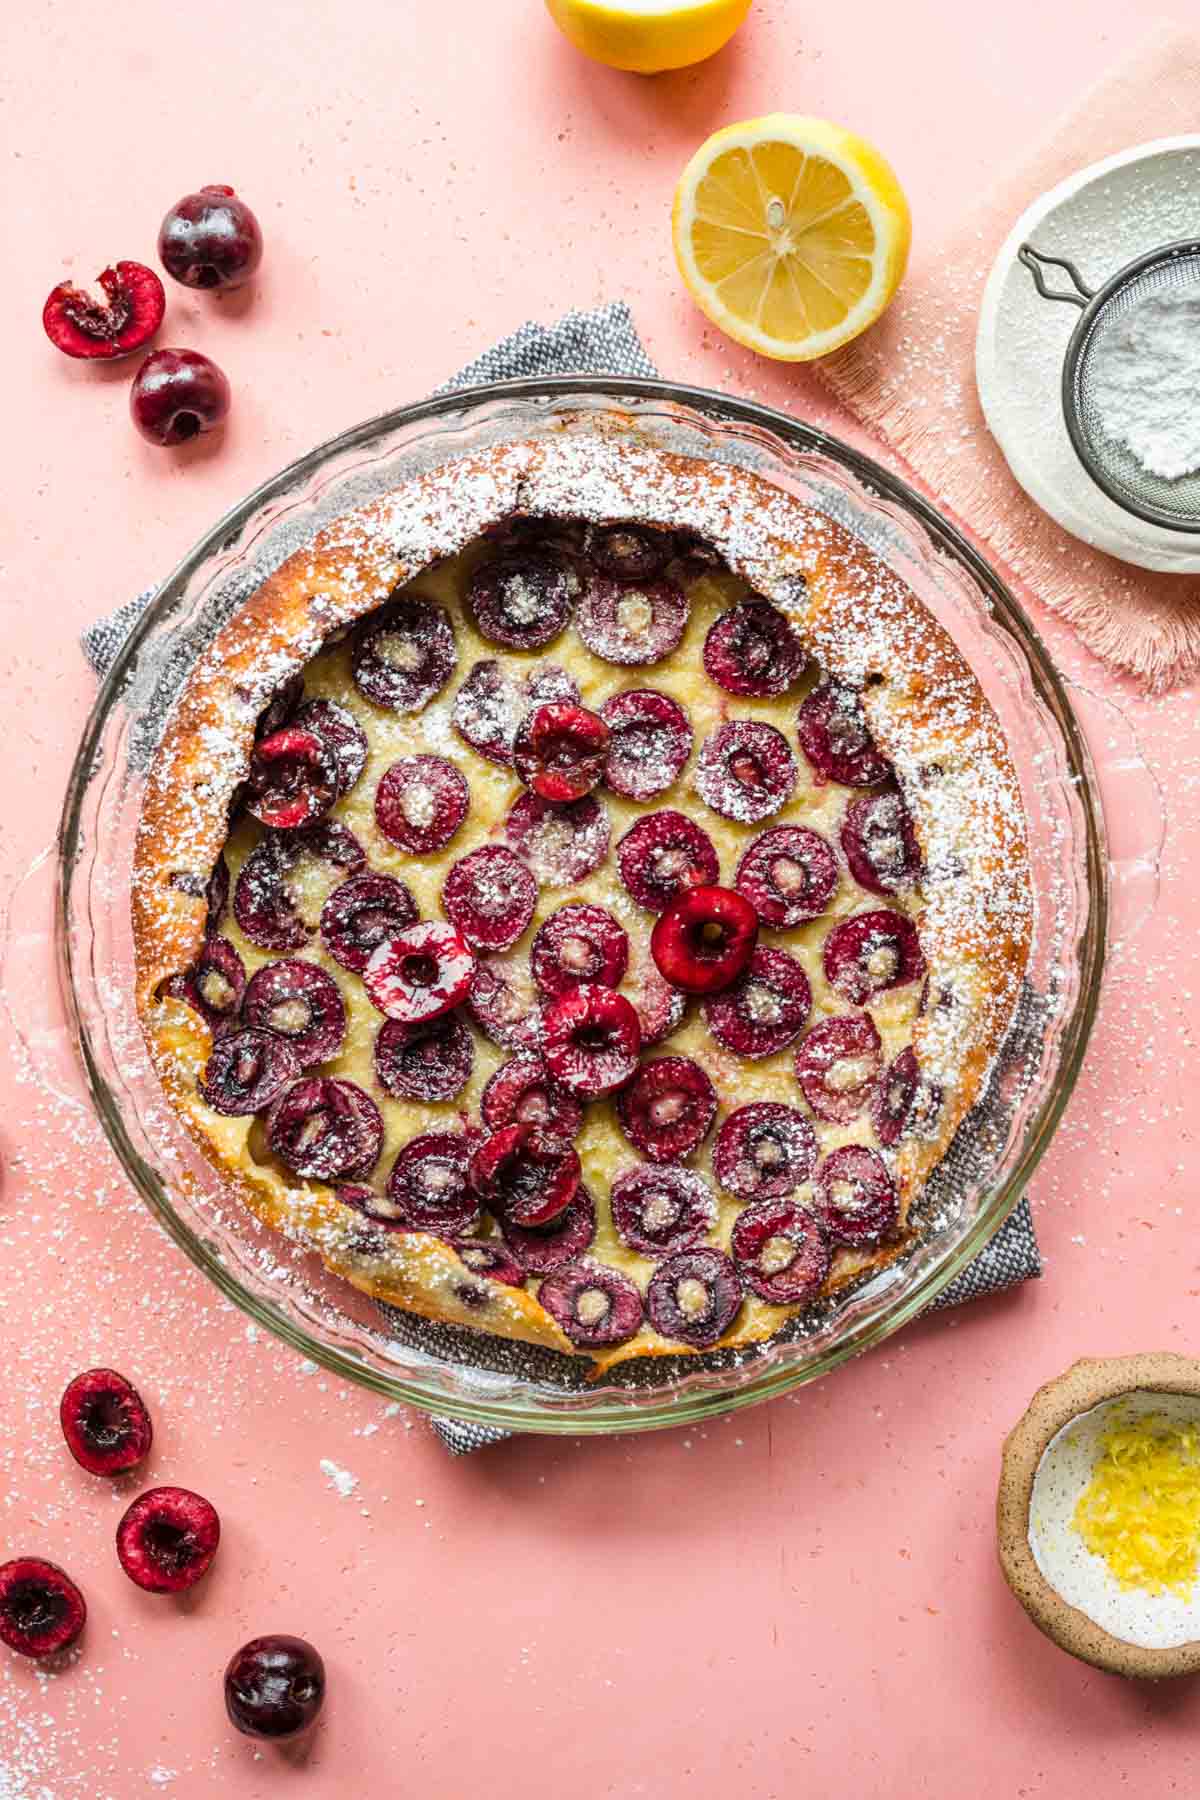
{"type": "Point", "coordinates": [1175, 503]}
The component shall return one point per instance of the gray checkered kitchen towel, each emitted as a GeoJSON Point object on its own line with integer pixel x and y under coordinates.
{"type": "Point", "coordinates": [605, 342]}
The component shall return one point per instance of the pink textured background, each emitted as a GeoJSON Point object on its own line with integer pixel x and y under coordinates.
{"type": "Point", "coordinates": [801, 1599]}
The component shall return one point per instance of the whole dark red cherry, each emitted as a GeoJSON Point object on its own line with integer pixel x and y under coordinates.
{"type": "Point", "coordinates": [274, 1687]}
{"type": "Point", "coordinates": [210, 239]}
{"type": "Point", "coordinates": [178, 395]}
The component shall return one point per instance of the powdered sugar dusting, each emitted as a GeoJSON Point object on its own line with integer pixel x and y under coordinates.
{"type": "Point", "coordinates": [858, 620]}
{"type": "Point", "coordinates": [1143, 376]}
{"type": "Point", "coordinates": [340, 1480]}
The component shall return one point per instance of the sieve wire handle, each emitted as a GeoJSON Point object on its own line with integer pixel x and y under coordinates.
{"type": "Point", "coordinates": [1035, 261]}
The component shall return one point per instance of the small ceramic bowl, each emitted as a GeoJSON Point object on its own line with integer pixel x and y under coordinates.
{"type": "Point", "coordinates": [1048, 1458]}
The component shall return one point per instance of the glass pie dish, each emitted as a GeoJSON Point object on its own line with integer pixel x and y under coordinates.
{"type": "Point", "coordinates": [466, 1375]}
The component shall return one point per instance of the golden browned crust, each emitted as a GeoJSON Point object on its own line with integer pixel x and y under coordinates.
{"type": "Point", "coordinates": [925, 708]}
{"type": "Point", "coordinates": [1085, 1384]}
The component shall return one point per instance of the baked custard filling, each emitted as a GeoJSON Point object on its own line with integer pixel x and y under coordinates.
{"type": "Point", "coordinates": [568, 944]}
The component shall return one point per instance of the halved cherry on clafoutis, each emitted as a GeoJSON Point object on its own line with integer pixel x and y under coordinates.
{"type": "Point", "coordinates": [342, 732]}
{"type": "Point", "coordinates": [855, 1198]}
{"type": "Point", "coordinates": [559, 751]}
{"type": "Point", "coordinates": [427, 1062]}
{"type": "Point", "coordinates": [522, 1091]}
{"type": "Point", "coordinates": [765, 1009]}
{"type": "Point", "coordinates": [591, 1040]}
{"type": "Point", "coordinates": [838, 1065]}
{"type": "Point", "coordinates": [214, 984]}
{"type": "Point", "coordinates": [420, 803]}
{"type": "Point", "coordinates": [871, 953]}
{"type": "Point", "coordinates": [781, 1251]}
{"type": "Point", "coordinates": [668, 1108]}
{"type": "Point", "coordinates": [428, 1189]}
{"type": "Point", "coordinates": [788, 875]}
{"type": "Point", "coordinates": [596, 1307]}
{"type": "Point", "coordinates": [561, 844]}
{"type": "Point", "coordinates": [119, 316]}
{"type": "Point", "coordinates": [280, 709]}
{"type": "Point", "coordinates": [270, 891]}
{"type": "Point", "coordinates": [523, 597]}
{"type": "Point", "coordinates": [403, 654]}
{"type": "Point", "coordinates": [895, 1096]}
{"type": "Point", "coordinates": [360, 914]}
{"type": "Point", "coordinates": [764, 1151]}
{"type": "Point", "coordinates": [491, 703]}
{"type": "Point", "coordinates": [660, 1007]}
{"type": "Point", "coordinates": [326, 1129]}
{"type": "Point", "coordinates": [658, 1211]}
{"type": "Point", "coordinates": [746, 771]}
{"type": "Point", "coordinates": [420, 972]}
{"type": "Point", "coordinates": [752, 650]}
{"type": "Point", "coordinates": [629, 552]}
{"type": "Point", "coordinates": [663, 854]}
{"type": "Point", "coordinates": [294, 779]}
{"type": "Point", "coordinates": [540, 1250]}
{"type": "Point", "coordinates": [490, 895]}
{"type": "Point", "coordinates": [632, 623]}
{"type": "Point", "coordinates": [487, 1256]}
{"type": "Point", "coordinates": [487, 710]}
{"type": "Point", "coordinates": [650, 740]}
{"type": "Point", "coordinates": [301, 1004]}
{"type": "Point", "coordinates": [705, 939]}
{"type": "Point", "coordinates": [503, 1002]}
{"type": "Point", "coordinates": [525, 1175]}
{"type": "Point", "coordinates": [579, 943]}
{"type": "Point", "coordinates": [247, 1070]}
{"type": "Point", "coordinates": [365, 1200]}
{"type": "Point", "coordinates": [694, 1297]}
{"type": "Point", "coordinates": [880, 843]}
{"type": "Point", "coordinates": [835, 738]}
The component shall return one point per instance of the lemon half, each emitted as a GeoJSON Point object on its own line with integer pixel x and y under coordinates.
{"type": "Point", "coordinates": [791, 234]}
{"type": "Point", "coordinates": [648, 36]}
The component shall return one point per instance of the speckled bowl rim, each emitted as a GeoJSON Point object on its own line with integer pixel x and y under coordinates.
{"type": "Point", "coordinates": [1086, 1384]}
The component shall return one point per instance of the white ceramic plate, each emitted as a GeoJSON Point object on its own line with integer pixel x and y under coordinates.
{"type": "Point", "coordinates": [1101, 218]}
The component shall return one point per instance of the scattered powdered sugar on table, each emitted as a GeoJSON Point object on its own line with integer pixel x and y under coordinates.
{"type": "Point", "coordinates": [340, 1480]}
{"type": "Point", "coordinates": [1143, 380]}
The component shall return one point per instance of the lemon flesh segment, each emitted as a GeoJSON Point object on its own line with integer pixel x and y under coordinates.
{"type": "Point", "coordinates": [791, 235]}
{"type": "Point", "coordinates": [648, 36]}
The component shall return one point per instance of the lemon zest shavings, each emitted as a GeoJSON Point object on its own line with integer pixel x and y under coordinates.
{"type": "Point", "coordinates": [1140, 1511]}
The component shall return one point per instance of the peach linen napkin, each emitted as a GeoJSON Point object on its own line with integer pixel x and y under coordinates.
{"type": "Point", "coordinates": [911, 381]}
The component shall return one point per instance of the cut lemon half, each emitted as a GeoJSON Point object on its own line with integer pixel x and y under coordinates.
{"type": "Point", "coordinates": [648, 36]}
{"type": "Point", "coordinates": [791, 234]}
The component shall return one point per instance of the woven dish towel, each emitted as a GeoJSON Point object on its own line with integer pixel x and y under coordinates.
{"type": "Point", "coordinates": [911, 381]}
{"type": "Point", "coordinates": [605, 342]}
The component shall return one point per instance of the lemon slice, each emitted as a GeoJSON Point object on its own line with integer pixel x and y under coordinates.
{"type": "Point", "coordinates": [791, 234]}
{"type": "Point", "coordinates": [648, 35]}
